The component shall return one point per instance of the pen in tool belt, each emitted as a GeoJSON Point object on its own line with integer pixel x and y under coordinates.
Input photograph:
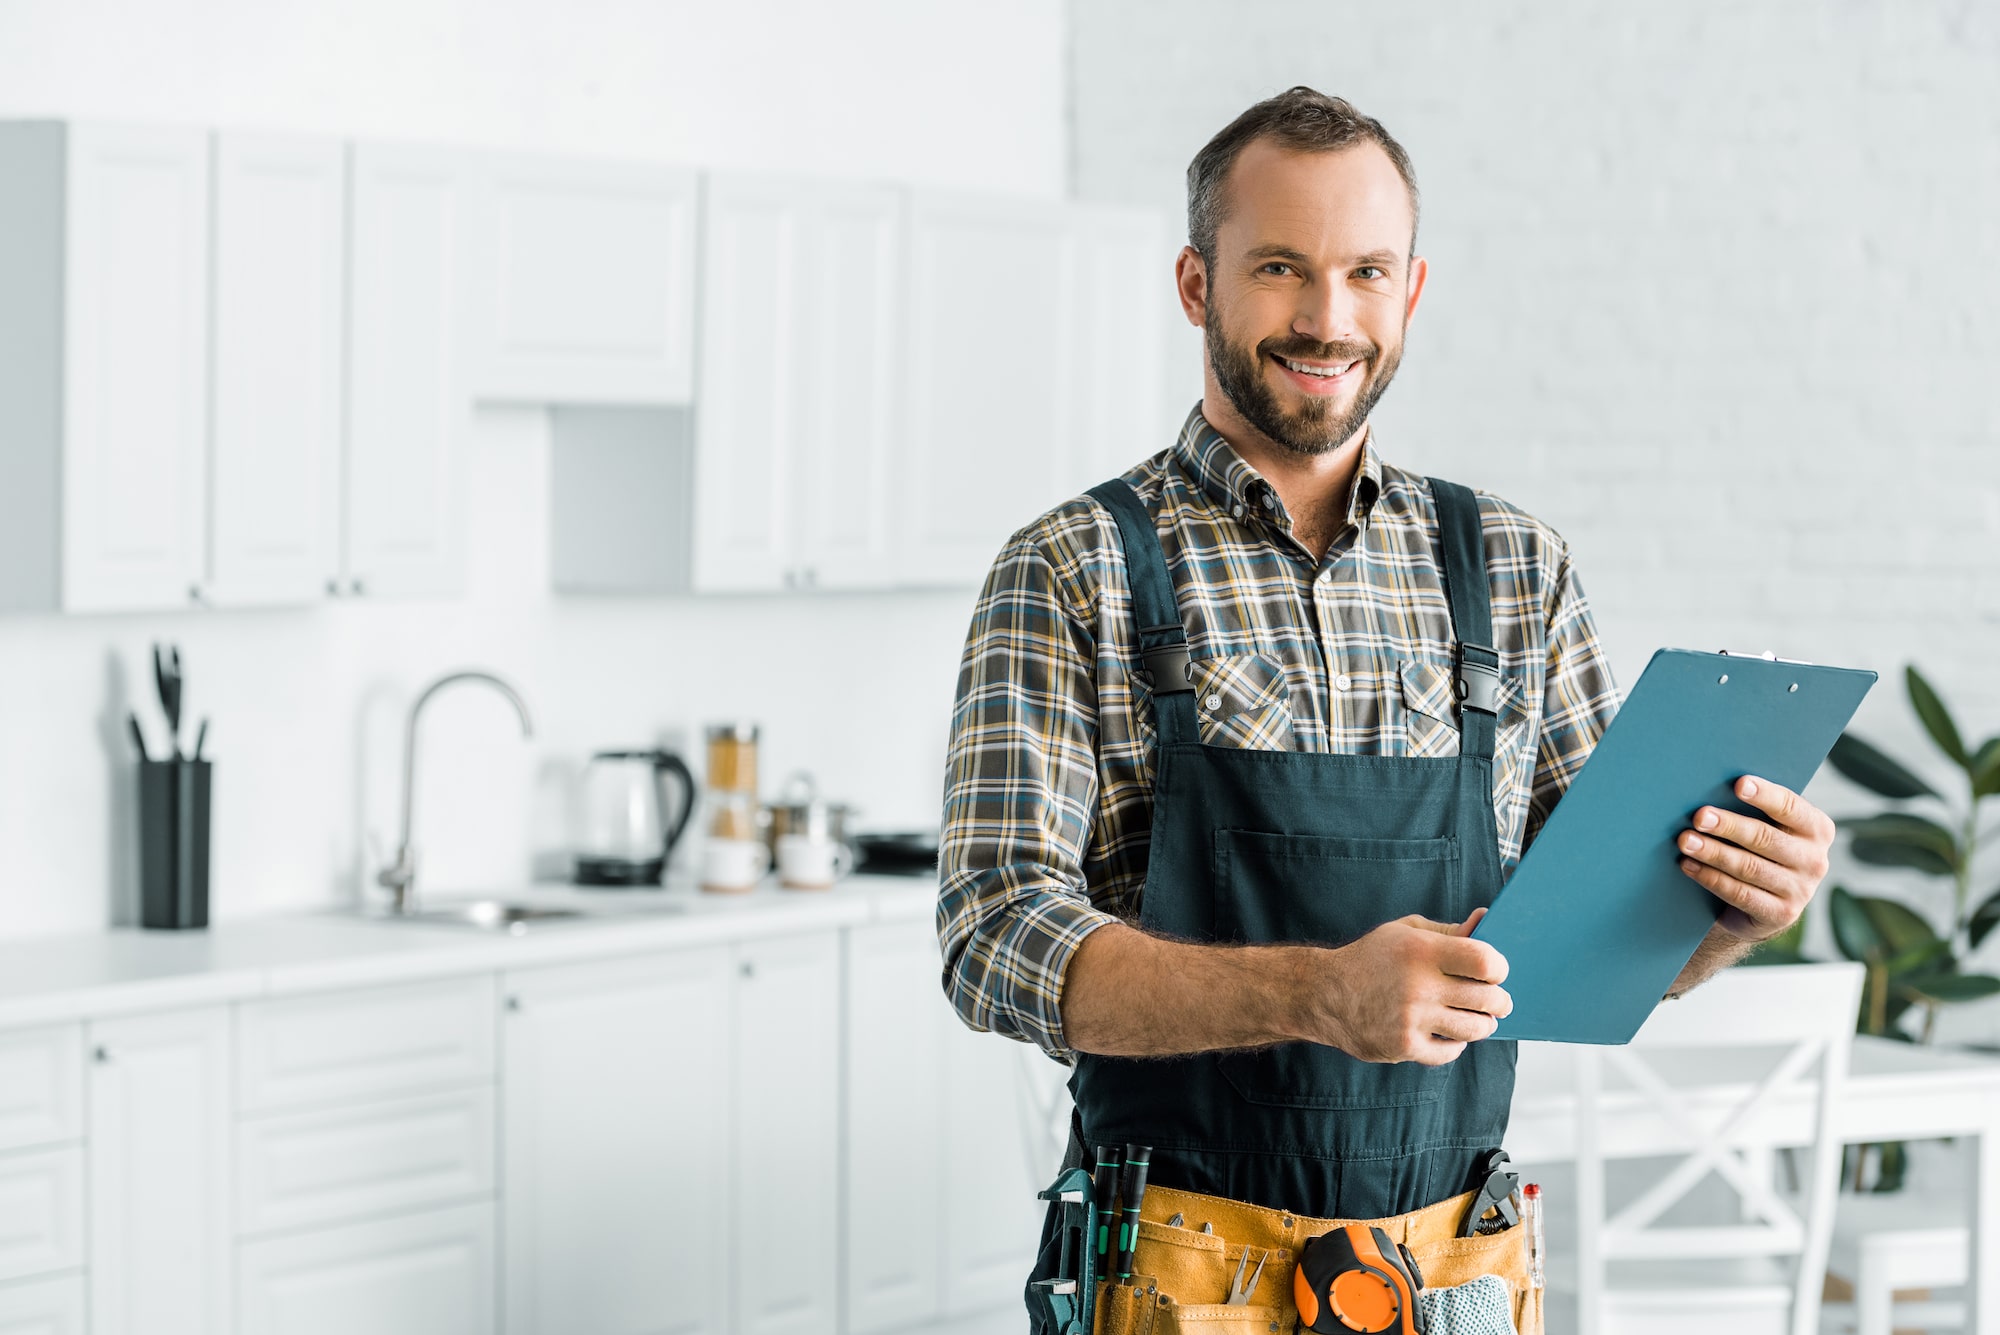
{"type": "Point", "coordinates": [1131, 1192]}
{"type": "Point", "coordinates": [1104, 1186]}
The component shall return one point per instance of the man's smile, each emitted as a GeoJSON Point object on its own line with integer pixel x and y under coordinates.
{"type": "Point", "coordinates": [1320, 378]}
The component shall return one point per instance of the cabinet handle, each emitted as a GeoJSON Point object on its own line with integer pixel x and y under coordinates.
{"type": "Point", "coordinates": [812, 577]}
{"type": "Point", "coordinates": [100, 1054]}
{"type": "Point", "coordinates": [356, 587]}
{"type": "Point", "coordinates": [513, 1003]}
{"type": "Point", "coordinates": [747, 969]}
{"type": "Point", "coordinates": [196, 596]}
{"type": "Point", "coordinates": [333, 588]}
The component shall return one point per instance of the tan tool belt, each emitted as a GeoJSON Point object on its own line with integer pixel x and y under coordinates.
{"type": "Point", "coordinates": [1181, 1276]}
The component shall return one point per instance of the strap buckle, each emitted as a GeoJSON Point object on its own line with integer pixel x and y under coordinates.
{"type": "Point", "coordinates": [1170, 667]}
{"type": "Point", "coordinates": [1477, 683]}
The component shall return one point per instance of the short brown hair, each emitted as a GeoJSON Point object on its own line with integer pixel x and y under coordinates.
{"type": "Point", "coordinates": [1299, 118]}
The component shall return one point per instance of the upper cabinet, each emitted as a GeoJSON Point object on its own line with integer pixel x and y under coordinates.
{"type": "Point", "coordinates": [406, 410]}
{"type": "Point", "coordinates": [104, 385]}
{"type": "Point", "coordinates": [280, 288]}
{"type": "Point", "coordinates": [584, 282]}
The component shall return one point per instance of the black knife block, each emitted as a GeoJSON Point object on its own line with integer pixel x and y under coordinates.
{"type": "Point", "coordinates": [173, 843]}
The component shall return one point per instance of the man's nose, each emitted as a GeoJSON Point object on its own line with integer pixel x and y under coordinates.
{"type": "Point", "coordinates": [1325, 313]}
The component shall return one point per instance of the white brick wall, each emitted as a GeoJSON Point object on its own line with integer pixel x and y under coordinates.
{"type": "Point", "coordinates": [1714, 288]}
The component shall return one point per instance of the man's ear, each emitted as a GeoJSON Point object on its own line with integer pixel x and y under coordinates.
{"type": "Point", "coordinates": [1420, 272]}
{"type": "Point", "coordinates": [1191, 280]}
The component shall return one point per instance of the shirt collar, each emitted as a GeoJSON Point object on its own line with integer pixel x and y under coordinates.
{"type": "Point", "coordinates": [1241, 490]}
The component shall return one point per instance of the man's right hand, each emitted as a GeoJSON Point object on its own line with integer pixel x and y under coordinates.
{"type": "Point", "coordinates": [1411, 990]}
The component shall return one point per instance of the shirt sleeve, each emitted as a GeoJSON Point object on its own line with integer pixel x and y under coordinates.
{"type": "Point", "coordinates": [1580, 697]}
{"type": "Point", "coordinates": [1021, 791]}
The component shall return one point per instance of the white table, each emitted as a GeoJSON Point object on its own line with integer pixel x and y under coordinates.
{"type": "Point", "coordinates": [1894, 1091]}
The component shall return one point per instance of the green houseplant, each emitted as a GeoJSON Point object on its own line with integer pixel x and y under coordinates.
{"type": "Point", "coordinates": [1913, 966]}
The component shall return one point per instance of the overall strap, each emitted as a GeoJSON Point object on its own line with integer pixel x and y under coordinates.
{"type": "Point", "coordinates": [1477, 674]}
{"type": "Point", "coordinates": [1163, 642]}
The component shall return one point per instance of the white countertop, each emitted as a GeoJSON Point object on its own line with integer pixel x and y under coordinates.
{"type": "Point", "coordinates": [122, 970]}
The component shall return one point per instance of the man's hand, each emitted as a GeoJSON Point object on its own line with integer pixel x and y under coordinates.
{"type": "Point", "coordinates": [1765, 873]}
{"type": "Point", "coordinates": [1411, 990]}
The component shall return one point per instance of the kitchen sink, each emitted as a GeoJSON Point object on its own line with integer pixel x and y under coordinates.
{"type": "Point", "coordinates": [494, 915]}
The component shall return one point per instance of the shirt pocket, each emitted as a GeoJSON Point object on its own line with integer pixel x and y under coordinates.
{"type": "Point", "coordinates": [1243, 701]}
{"type": "Point", "coordinates": [1430, 710]}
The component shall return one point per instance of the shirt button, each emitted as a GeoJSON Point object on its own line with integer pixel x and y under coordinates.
{"type": "Point", "coordinates": [1236, 511]}
{"type": "Point", "coordinates": [1213, 702]}
{"type": "Point", "coordinates": [1343, 682]}
{"type": "Point", "coordinates": [1326, 576]}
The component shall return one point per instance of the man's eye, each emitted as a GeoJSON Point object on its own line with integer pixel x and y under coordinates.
{"type": "Point", "coordinates": [1369, 272]}
{"type": "Point", "coordinates": [1275, 267]}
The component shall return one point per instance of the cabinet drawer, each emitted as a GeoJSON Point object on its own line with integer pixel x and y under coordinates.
{"type": "Point", "coordinates": [42, 1306]}
{"type": "Point", "coordinates": [41, 1086]}
{"type": "Point", "coordinates": [349, 1046]}
{"type": "Point", "coordinates": [41, 1212]}
{"type": "Point", "coordinates": [302, 1169]}
{"type": "Point", "coordinates": [422, 1274]}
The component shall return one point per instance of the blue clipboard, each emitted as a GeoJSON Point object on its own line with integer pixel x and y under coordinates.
{"type": "Point", "coordinates": [1598, 919]}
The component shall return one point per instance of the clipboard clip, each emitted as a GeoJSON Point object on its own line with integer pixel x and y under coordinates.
{"type": "Point", "coordinates": [1768, 656]}
{"type": "Point", "coordinates": [1477, 681]}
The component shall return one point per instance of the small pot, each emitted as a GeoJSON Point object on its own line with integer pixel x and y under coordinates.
{"type": "Point", "coordinates": [800, 811]}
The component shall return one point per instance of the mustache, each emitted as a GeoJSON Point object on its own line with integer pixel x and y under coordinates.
{"type": "Point", "coordinates": [1299, 348]}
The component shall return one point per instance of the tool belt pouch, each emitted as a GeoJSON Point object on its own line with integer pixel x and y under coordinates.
{"type": "Point", "coordinates": [1182, 1277]}
{"type": "Point", "coordinates": [1063, 1285]}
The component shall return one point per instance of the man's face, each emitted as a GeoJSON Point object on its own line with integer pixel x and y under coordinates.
{"type": "Point", "coordinates": [1311, 289]}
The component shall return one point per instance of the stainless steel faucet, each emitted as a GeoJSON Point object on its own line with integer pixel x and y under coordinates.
{"type": "Point", "coordinates": [401, 875]}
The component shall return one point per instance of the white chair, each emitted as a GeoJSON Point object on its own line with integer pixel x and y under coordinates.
{"type": "Point", "coordinates": [1762, 1268]}
{"type": "Point", "coordinates": [1916, 1238]}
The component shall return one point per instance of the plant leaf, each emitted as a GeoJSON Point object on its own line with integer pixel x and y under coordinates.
{"type": "Point", "coordinates": [1900, 928]}
{"type": "Point", "coordinates": [1936, 718]}
{"type": "Point", "coordinates": [1984, 919]}
{"type": "Point", "coordinates": [1932, 958]}
{"type": "Point", "coordinates": [1986, 768]}
{"type": "Point", "coordinates": [1945, 988]}
{"type": "Point", "coordinates": [1782, 948]}
{"type": "Point", "coordinates": [1853, 933]}
{"type": "Point", "coordinates": [1869, 766]}
{"type": "Point", "coordinates": [1898, 839]}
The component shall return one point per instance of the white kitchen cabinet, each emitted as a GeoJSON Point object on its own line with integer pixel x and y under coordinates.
{"type": "Point", "coordinates": [404, 503]}
{"type": "Point", "coordinates": [104, 386]}
{"type": "Point", "coordinates": [616, 1130]}
{"type": "Point", "coordinates": [369, 1043]}
{"type": "Point", "coordinates": [786, 1096]}
{"type": "Point", "coordinates": [160, 1174]}
{"type": "Point", "coordinates": [997, 1157]}
{"type": "Point", "coordinates": [1121, 305]}
{"type": "Point", "coordinates": [797, 416]}
{"type": "Point", "coordinates": [894, 1119]}
{"type": "Point", "coordinates": [278, 315]}
{"type": "Point", "coordinates": [41, 1204]}
{"type": "Point", "coordinates": [584, 278]}
{"type": "Point", "coordinates": [41, 1074]}
{"type": "Point", "coordinates": [51, 1306]}
{"type": "Point", "coordinates": [416, 1274]}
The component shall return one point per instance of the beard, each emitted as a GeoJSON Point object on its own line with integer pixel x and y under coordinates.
{"type": "Point", "coordinates": [1317, 425]}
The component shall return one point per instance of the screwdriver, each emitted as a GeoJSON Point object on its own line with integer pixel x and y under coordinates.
{"type": "Point", "coordinates": [1104, 1183]}
{"type": "Point", "coordinates": [1131, 1192]}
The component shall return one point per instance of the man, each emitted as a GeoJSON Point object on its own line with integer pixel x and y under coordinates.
{"type": "Point", "coordinates": [1217, 822]}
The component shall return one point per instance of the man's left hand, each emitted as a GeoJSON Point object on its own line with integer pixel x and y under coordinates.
{"type": "Point", "coordinates": [1765, 872]}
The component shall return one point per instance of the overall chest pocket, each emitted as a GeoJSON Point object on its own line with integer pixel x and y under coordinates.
{"type": "Point", "coordinates": [1329, 891]}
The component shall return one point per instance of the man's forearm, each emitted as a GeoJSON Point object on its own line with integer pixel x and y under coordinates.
{"type": "Point", "coordinates": [1128, 994]}
{"type": "Point", "coordinates": [1717, 951]}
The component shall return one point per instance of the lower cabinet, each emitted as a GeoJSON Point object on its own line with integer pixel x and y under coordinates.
{"type": "Point", "coordinates": [615, 1132]}
{"type": "Point", "coordinates": [429, 1273]}
{"type": "Point", "coordinates": [159, 1129]}
{"type": "Point", "coordinates": [52, 1306]}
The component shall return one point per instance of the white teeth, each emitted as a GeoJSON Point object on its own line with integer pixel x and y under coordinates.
{"type": "Point", "coordinates": [1303, 369]}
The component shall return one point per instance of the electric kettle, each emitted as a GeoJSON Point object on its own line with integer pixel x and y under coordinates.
{"type": "Point", "coordinates": [626, 836]}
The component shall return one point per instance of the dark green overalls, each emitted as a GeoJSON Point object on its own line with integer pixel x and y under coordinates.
{"type": "Point", "coordinates": [1266, 846]}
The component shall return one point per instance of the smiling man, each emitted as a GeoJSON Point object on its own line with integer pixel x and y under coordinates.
{"type": "Point", "coordinates": [1248, 738]}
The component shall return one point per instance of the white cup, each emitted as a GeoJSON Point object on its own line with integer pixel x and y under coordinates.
{"type": "Point", "coordinates": [806, 863]}
{"type": "Point", "coordinates": [733, 864]}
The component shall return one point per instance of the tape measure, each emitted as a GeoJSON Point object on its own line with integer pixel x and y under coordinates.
{"type": "Point", "coordinates": [1356, 1279]}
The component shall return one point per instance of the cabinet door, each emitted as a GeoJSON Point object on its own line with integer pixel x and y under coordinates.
{"type": "Point", "coordinates": [585, 278]}
{"type": "Point", "coordinates": [997, 1157]}
{"type": "Point", "coordinates": [135, 369]}
{"type": "Point", "coordinates": [750, 399]}
{"type": "Point", "coordinates": [159, 1174]}
{"type": "Point", "coordinates": [896, 1017]}
{"type": "Point", "coordinates": [1119, 308]}
{"type": "Point", "coordinates": [420, 1274]}
{"type": "Point", "coordinates": [280, 281]}
{"type": "Point", "coordinates": [404, 507]}
{"type": "Point", "coordinates": [847, 436]}
{"type": "Point", "coordinates": [43, 1307]}
{"type": "Point", "coordinates": [990, 358]}
{"type": "Point", "coordinates": [787, 1141]}
{"type": "Point", "coordinates": [615, 1128]}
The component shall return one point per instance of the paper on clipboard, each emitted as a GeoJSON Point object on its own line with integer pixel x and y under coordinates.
{"type": "Point", "coordinates": [1598, 919]}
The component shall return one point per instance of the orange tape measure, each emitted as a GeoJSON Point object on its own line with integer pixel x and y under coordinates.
{"type": "Point", "coordinates": [1356, 1279]}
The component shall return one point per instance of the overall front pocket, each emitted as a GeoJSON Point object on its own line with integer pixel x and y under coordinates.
{"type": "Point", "coordinates": [1329, 891]}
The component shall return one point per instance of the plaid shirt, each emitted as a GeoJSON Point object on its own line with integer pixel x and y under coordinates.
{"type": "Point", "coordinates": [1049, 782]}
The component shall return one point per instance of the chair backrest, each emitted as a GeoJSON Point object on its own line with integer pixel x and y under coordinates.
{"type": "Point", "coordinates": [1723, 1122]}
